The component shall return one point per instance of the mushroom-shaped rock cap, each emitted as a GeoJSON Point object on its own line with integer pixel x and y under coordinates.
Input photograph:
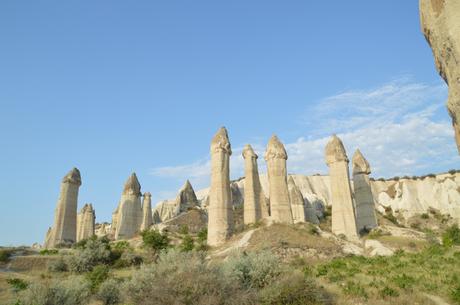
{"type": "Point", "coordinates": [275, 149]}
{"type": "Point", "coordinates": [220, 142]}
{"type": "Point", "coordinates": [248, 152]}
{"type": "Point", "coordinates": [335, 151]}
{"type": "Point", "coordinates": [132, 186]}
{"type": "Point", "coordinates": [72, 177]}
{"type": "Point", "coordinates": [360, 164]}
{"type": "Point", "coordinates": [147, 194]}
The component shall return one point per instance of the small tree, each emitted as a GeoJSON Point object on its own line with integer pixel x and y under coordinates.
{"type": "Point", "coordinates": [154, 240]}
{"type": "Point", "coordinates": [187, 243]}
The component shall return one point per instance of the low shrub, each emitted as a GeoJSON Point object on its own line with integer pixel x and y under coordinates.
{"type": "Point", "coordinates": [451, 236]}
{"type": "Point", "coordinates": [187, 243]}
{"type": "Point", "coordinates": [17, 284]}
{"type": "Point", "coordinates": [388, 292]}
{"type": "Point", "coordinates": [71, 291]}
{"type": "Point", "coordinates": [109, 292]}
{"type": "Point", "coordinates": [59, 265]}
{"type": "Point", "coordinates": [424, 216]}
{"type": "Point", "coordinates": [49, 252]}
{"type": "Point", "coordinates": [355, 289]}
{"type": "Point", "coordinates": [97, 276]}
{"type": "Point", "coordinates": [94, 252]}
{"type": "Point", "coordinates": [5, 255]}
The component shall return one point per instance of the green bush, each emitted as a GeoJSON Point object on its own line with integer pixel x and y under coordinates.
{"type": "Point", "coordinates": [109, 292]}
{"type": "Point", "coordinates": [94, 252]}
{"type": "Point", "coordinates": [187, 243]}
{"type": "Point", "coordinates": [58, 265]}
{"type": "Point", "coordinates": [252, 270]}
{"type": "Point", "coordinates": [5, 255]}
{"type": "Point", "coordinates": [202, 235]}
{"type": "Point", "coordinates": [404, 281]}
{"type": "Point", "coordinates": [71, 291]}
{"type": "Point", "coordinates": [355, 289]}
{"type": "Point", "coordinates": [154, 240]}
{"type": "Point", "coordinates": [183, 229]}
{"type": "Point", "coordinates": [97, 276]}
{"type": "Point", "coordinates": [17, 284]}
{"type": "Point", "coordinates": [425, 216]}
{"type": "Point", "coordinates": [49, 252]}
{"type": "Point", "coordinates": [455, 294]}
{"type": "Point", "coordinates": [388, 292]}
{"type": "Point", "coordinates": [451, 236]}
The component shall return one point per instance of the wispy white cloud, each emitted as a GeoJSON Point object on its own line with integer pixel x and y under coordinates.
{"type": "Point", "coordinates": [401, 127]}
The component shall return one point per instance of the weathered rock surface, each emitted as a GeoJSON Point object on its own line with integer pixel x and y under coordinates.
{"type": "Point", "coordinates": [147, 219]}
{"type": "Point", "coordinates": [296, 201]}
{"type": "Point", "coordinates": [254, 199]}
{"type": "Point", "coordinates": [375, 248]}
{"type": "Point", "coordinates": [440, 21]}
{"type": "Point", "coordinates": [86, 221]}
{"type": "Point", "coordinates": [64, 230]}
{"type": "Point", "coordinates": [220, 210]}
{"type": "Point", "coordinates": [365, 205]}
{"type": "Point", "coordinates": [129, 216]}
{"type": "Point", "coordinates": [343, 213]}
{"type": "Point", "coordinates": [276, 157]}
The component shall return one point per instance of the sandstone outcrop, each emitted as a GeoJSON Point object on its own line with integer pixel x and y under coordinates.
{"type": "Point", "coordinates": [254, 198]}
{"type": "Point", "coordinates": [86, 221]}
{"type": "Point", "coordinates": [64, 230]}
{"type": "Point", "coordinates": [129, 210]}
{"type": "Point", "coordinates": [276, 157]}
{"type": "Point", "coordinates": [220, 210]}
{"type": "Point", "coordinates": [186, 199]}
{"type": "Point", "coordinates": [147, 219]}
{"type": "Point", "coordinates": [365, 205]}
{"type": "Point", "coordinates": [440, 21]}
{"type": "Point", "coordinates": [296, 201]}
{"type": "Point", "coordinates": [343, 213]}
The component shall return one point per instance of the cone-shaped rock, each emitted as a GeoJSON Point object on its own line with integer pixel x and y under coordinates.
{"type": "Point", "coordinates": [297, 201]}
{"type": "Point", "coordinates": [440, 20]}
{"type": "Point", "coordinates": [86, 222]}
{"type": "Point", "coordinates": [220, 210]}
{"type": "Point", "coordinates": [186, 199]}
{"type": "Point", "coordinates": [276, 157]}
{"type": "Point", "coordinates": [64, 230]}
{"type": "Point", "coordinates": [255, 207]}
{"type": "Point", "coordinates": [147, 219]}
{"type": "Point", "coordinates": [343, 214]}
{"type": "Point", "coordinates": [129, 210]}
{"type": "Point", "coordinates": [365, 206]}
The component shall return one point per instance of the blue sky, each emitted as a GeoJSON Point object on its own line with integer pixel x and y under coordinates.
{"type": "Point", "coordinates": [113, 87]}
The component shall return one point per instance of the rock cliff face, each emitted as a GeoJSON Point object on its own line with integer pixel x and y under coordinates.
{"type": "Point", "coordinates": [408, 196]}
{"type": "Point", "coordinates": [440, 21]}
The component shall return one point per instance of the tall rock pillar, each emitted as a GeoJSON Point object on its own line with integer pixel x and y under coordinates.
{"type": "Point", "coordinates": [129, 210]}
{"type": "Point", "coordinates": [276, 157]}
{"type": "Point", "coordinates": [64, 230]}
{"type": "Point", "coordinates": [86, 222]}
{"type": "Point", "coordinates": [220, 210]}
{"type": "Point", "coordinates": [147, 219]}
{"type": "Point", "coordinates": [365, 206]}
{"type": "Point", "coordinates": [343, 214]}
{"type": "Point", "coordinates": [297, 201]}
{"type": "Point", "coordinates": [254, 198]}
{"type": "Point", "coordinates": [440, 20]}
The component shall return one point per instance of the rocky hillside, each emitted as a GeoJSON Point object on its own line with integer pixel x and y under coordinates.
{"type": "Point", "coordinates": [407, 195]}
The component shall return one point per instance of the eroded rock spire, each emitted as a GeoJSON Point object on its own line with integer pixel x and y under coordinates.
{"type": "Point", "coordinates": [129, 216]}
{"type": "Point", "coordinates": [276, 157]}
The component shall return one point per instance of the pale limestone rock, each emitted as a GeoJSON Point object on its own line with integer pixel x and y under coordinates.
{"type": "Point", "coordinates": [186, 199]}
{"type": "Point", "coordinates": [64, 230]}
{"type": "Point", "coordinates": [254, 198]}
{"type": "Point", "coordinates": [440, 21]}
{"type": "Point", "coordinates": [376, 248]}
{"type": "Point", "coordinates": [220, 211]}
{"type": "Point", "coordinates": [147, 219]}
{"type": "Point", "coordinates": [276, 157]}
{"type": "Point", "coordinates": [343, 214]}
{"type": "Point", "coordinates": [130, 210]}
{"type": "Point", "coordinates": [296, 201]}
{"type": "Point", "coordinates": [365, 205]}
{"type": "Point", "coordinates": [86, 220]}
